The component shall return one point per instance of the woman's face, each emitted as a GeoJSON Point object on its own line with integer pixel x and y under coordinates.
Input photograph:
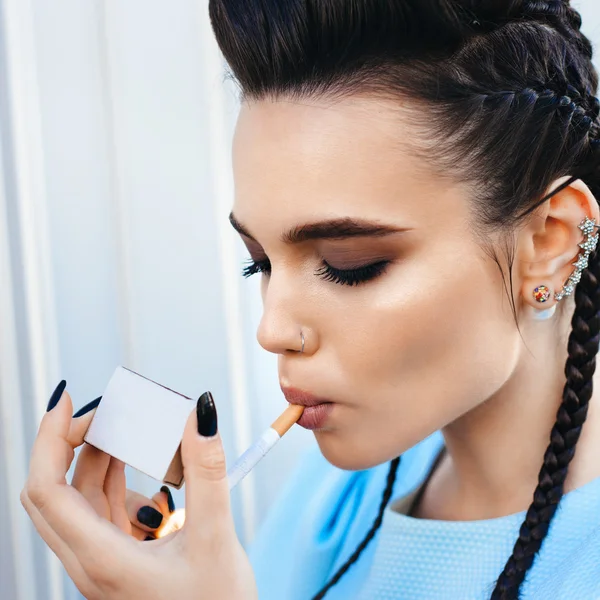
{"type": "Point", "coordinates": [429, 335]}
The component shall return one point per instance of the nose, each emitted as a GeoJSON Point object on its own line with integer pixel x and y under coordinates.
{"type": "Point", "coordinates": [284, 320]}
{"type": "Point", "coordinates": [278, 335]}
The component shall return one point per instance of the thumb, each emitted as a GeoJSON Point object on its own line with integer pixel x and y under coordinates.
{"type": "Point", "coordinates": [207, 498]}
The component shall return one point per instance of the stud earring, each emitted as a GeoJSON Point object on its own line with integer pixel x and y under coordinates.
{"type": "Point", "coordinates": [587, 226]}
{"type": "Point", "coordinates": [541, 293]}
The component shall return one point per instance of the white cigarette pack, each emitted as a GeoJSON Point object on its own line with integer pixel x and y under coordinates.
{"type": "Point", "coordinates": [141, 423]}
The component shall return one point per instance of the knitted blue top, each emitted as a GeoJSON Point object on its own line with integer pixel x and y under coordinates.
{"type": "Point", "coordinates": [323, 513]}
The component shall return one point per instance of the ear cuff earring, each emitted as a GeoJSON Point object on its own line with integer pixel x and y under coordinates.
{"type": "Point", "coordinates": [588, 227]}
{"type": "Point", "coordinates": [542, 293]}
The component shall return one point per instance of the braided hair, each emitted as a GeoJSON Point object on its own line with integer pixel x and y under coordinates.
{"type": "Point", "coordinates": [387, 494]}
{"type": "Point", "coordinates": [502, 94]}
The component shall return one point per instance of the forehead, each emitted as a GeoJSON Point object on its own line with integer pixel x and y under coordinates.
{"type": "Point", "coordinates": [316, 158]}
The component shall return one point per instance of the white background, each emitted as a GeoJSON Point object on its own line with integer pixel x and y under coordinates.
{"type": "Point", "coordinates": [115, 185]}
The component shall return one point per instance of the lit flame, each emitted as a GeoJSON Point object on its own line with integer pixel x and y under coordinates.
{"type": "Point", "coordinates": [173, 523]}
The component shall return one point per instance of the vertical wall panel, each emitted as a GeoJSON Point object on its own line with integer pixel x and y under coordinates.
{"type": "Point", "coordinates": [166, 202]}
{"type": "Point", "coordinates": [29, 256]}
{"type": "Point", "coordinates": [17, 574]}
{"type": "Point", "coordinates": [81, 212]}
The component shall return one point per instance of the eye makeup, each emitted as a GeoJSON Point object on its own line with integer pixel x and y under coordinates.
{"type": "Point", "coordinates": [353, 276]}
{"type": "Point", "coordinates": [256, 266]}
{"type": "Point", "coordinates": [344, 262]}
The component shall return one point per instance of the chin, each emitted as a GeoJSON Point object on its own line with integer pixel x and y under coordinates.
{"type": "Point", "coordinates": [346, 454]}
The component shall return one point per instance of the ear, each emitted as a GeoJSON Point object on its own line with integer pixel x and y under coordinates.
{"type": "Point", "coordinates": [549, 244]}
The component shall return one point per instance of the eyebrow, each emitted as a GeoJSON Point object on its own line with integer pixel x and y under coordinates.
{"type": "Point", "coordinates": [333, 229]}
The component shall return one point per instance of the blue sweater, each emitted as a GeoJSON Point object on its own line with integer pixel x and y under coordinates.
{"type": "Point", "coordinates": [323, 513]}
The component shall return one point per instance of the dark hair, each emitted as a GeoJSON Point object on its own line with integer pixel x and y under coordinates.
{"type": "Point", "coordinates": [467, 69]}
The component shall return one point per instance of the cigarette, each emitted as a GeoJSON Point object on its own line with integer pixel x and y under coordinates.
{"type": "Point", "coordinates": [246, 462]}
{"type": "Point", "coordinates": [255, 453]}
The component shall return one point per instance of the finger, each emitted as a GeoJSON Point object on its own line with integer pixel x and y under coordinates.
{"type": "Point", "coordinates": [51, 437]}
{"type": "Point", "coordinates": [141, 535]}
{"type": "Point", "coordinates": [164, 498]}
{"type": "Point", "coordinates": [47, 534]}
{"type": "Point", "coordinates": [207, 499]}
{"type": "Point", "coordinates": [81, 422]}
{"type": "Point", "coordinates": [89, 407]}
{"type": "Point", "coordinates": [161, 501]}
{"type": "Point", "coordinates": [143, 512]}
{"type": "Point", "coordinates": [115, 490]}
{"type": "Point", "coordinates": [174, 519]}
{"type": "Point", "coordinates": [62, 551]}
{"type": "Point", "coordinates": [91, 468]}
{"type": "Point", "coordinates": [62, 507]}
{"type": "Point", "coordinates": [89, 477]}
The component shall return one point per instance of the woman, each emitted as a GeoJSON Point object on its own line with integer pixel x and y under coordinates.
{"type": "Point", "coordinates": [418, 183]}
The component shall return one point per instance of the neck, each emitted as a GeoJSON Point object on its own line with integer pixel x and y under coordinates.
{"type": "Point", "coordinates": [495, 451]}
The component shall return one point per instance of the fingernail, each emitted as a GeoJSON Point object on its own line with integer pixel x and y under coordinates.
{"type": "Point", "coordinates": [149, 517]}
{"type": "Point", "coordinates": [149, 538]}
{"type": "Point", "coordinates": [58, 392]}
{"type": "Point", "coordinates": [207, 415]}
{"type": "Point", "coordinates": [86, 409]}
{"type": "Point", "coordinates": [170, 502]}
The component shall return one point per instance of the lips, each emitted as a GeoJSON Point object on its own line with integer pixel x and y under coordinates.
{"type": "Point", "coordinates": [296, 396]}
{"type": "Point", "coordinates": [317, 409]}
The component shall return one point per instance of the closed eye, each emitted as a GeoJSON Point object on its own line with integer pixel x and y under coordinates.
{"type": "Point", "coordinates": [259, 266]}
{"type": "Point", "coordinates": [351, 277]}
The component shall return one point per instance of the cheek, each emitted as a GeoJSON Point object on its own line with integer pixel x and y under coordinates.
{"type": "Point", "coordinates": [425, 348]}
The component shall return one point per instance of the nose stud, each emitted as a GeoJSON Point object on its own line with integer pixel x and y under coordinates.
{"type": "Point", "coordinates": [302, 338]}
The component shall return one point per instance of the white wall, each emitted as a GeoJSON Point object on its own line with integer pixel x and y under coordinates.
{"type": "Point", "coordinates": [115, 186]}
{"type": "Point", "coordinates": [118, 240]}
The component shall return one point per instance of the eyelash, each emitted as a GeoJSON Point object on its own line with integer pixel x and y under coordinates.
{"type": "Point", "coordinates": [341, 276]}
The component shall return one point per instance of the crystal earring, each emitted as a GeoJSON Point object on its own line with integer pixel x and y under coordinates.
{"type": "Point", "coordinates": [587, 226]}
{"type": "Point", "coordinates": [541, 293]}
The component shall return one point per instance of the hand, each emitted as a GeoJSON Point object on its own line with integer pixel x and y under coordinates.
{"type": "Point", "coordinates": [151, 517]}
{"type": "Point", "coordinates": [87, 526]}
{"type": "Point", "coordinates": [148, 517]}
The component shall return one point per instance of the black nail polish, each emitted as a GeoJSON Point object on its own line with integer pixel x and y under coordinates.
{"type": "Point", "coordinates": [149, 517]}
{"type": "Point", "coordinates": [207, 415]}
{"type": "Point", "coordinates": [58, 392]}
{"type": "Point", "coordinates": [170, 501]}
{"type": "Point", "coordinates": [87, 408]}
{"type": "Point", "coordinates": [149, 538]}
